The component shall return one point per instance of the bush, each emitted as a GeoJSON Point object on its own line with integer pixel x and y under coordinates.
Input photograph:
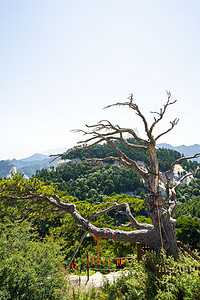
{"type": "Point", "coordinates": [29, 268]}
{"type": "Point", "coordinates": [183, 280]}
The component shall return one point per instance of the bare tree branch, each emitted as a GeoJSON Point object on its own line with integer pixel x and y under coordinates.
{"type": "Point", "coordinates": [129, 103]}
{"type": "Point", "coordinates": [137, 111]}
{"type": "Point", "coordinates": [118, 235]}
{"type": "Point", "coordinates": [98, 138]}
{"type": "Point", "coordinates": [180, 160]}
{"type": "Point", "coordinates": [181, 179]}
{"type": "Point", "coordinates": [105, 125]}
{"type": "Point", "coordinates": [108, 158]}
{"type": "Point", "coordinates": [126, 161]}
{"type": "Point", "coordinates": [172, 192]}
{"type": "Point", "coordinates": [134, 222]}
{"type": "Point", "coordinates": [161, 114]}
{"type": "Point", "coordinates": [173, 123]}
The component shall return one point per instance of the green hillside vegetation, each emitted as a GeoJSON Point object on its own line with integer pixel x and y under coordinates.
{"type": "Point", "coordinates": [36, 240]}
{"type": "Point", "coordinates": [188, 197]}
{"type": "Point", "coordinates": [30, 268]}
{"type": "Point", "coordinates": [91, 182]}
{"type": "Point", "coordinates": [165, 156]}
{"type": "Point", "coordinates": [36, 244]}
{"type": "Point", "coordinates": [188, 213]}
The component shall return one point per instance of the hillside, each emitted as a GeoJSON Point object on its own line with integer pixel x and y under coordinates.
{"type": "Point", "coordinates": [91, 181]}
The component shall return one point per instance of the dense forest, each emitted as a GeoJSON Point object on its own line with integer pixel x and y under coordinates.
{"type": "Point", "coordinates": [165, 156]}
{"type": "Point", "coordinates": [34, 243]}
{"type": "Point", "coordinates": [90, 181]}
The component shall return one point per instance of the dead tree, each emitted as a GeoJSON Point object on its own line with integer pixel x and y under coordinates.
{"type": "Point", "coordinates": [162, 233]}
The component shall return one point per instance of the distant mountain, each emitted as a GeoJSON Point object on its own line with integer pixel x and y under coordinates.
{"type": "Point", "coordinates": [5, 168]}
{"type": "Point", "coordinates": [185, 150]}
{"type": "Point", "coordinates": [31, 161]}
{"type": "Point", "coordinates": [27, 166]}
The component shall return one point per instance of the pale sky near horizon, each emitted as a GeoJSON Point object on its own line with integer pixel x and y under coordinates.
{"type": "Point", "coordinates": [62, 61]}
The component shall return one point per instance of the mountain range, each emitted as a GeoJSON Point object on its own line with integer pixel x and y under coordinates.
{"type": "Point", "coordinates": [28, 166]}
{"type": "Point", "coordinates": [185, 150]}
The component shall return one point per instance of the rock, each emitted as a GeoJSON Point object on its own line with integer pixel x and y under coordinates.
{"type": "Point", "coordinates": [64, 162]}
{"type": "Point", "coordinates": [13, 171]}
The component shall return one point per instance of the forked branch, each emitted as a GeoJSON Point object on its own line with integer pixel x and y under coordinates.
{"type": "Point", "coordinates": [183, 177]}
{"type": "Point", "coordinates": [135, 107]}
{"type": "Point", "coordinates": [161, 114]}
{"type": "Point", "coordinates": [171, 193]}
{"type": "Point", "coordinates": [173, 124]}
{"type": "Point", "coordinates": [131, 236]}
{"type": "Point", "coordinates": [134, 223]}
{"type": "Point", "coordinates": [107, 129]}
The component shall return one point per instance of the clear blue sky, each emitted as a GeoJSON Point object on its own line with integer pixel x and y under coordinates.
{"type": "Point", "coordinates": [62, 61]}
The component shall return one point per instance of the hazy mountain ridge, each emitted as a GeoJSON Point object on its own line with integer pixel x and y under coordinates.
{"type": "Point", "coordinates": [27, 166]}
{"type": "Point", "coordinates": [183, 149]}
{"type": "Point", "coordinates": [31, 161]}
{"type": "Point", "coordinates": [5, 168]}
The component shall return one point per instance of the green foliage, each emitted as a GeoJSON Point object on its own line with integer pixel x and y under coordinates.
{"type": "Point", "coordinates": [181, 286]}
{"type": "Point", "coordinates": [188, 232]}
{"type": "Point", "coordinates": [166, 157]}
{"type": "Point", "coordinates": [136, 283]}
{"type": "Point", "coordinates": [29, 268]}
{"type": "Point", "coordinates": [25, 199]}
{"type": "Point", "coordinates": [188, 214]}
{"type": "Point", "coordinates": [183, 279]}
{"type": "Point", "coordinates": [140, 283]}
{"type": "Point", "coordinates": [65, 231]}
{"type": "Point", "coordinates": [188, 196]}
{"type": "Point", "coordinates": [90, 182]}
{"type": "Point", "coordinates": [32, 269]}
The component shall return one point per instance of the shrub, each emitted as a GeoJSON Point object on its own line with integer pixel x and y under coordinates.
{"type": "Point", "coordinates": [29, 268]}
